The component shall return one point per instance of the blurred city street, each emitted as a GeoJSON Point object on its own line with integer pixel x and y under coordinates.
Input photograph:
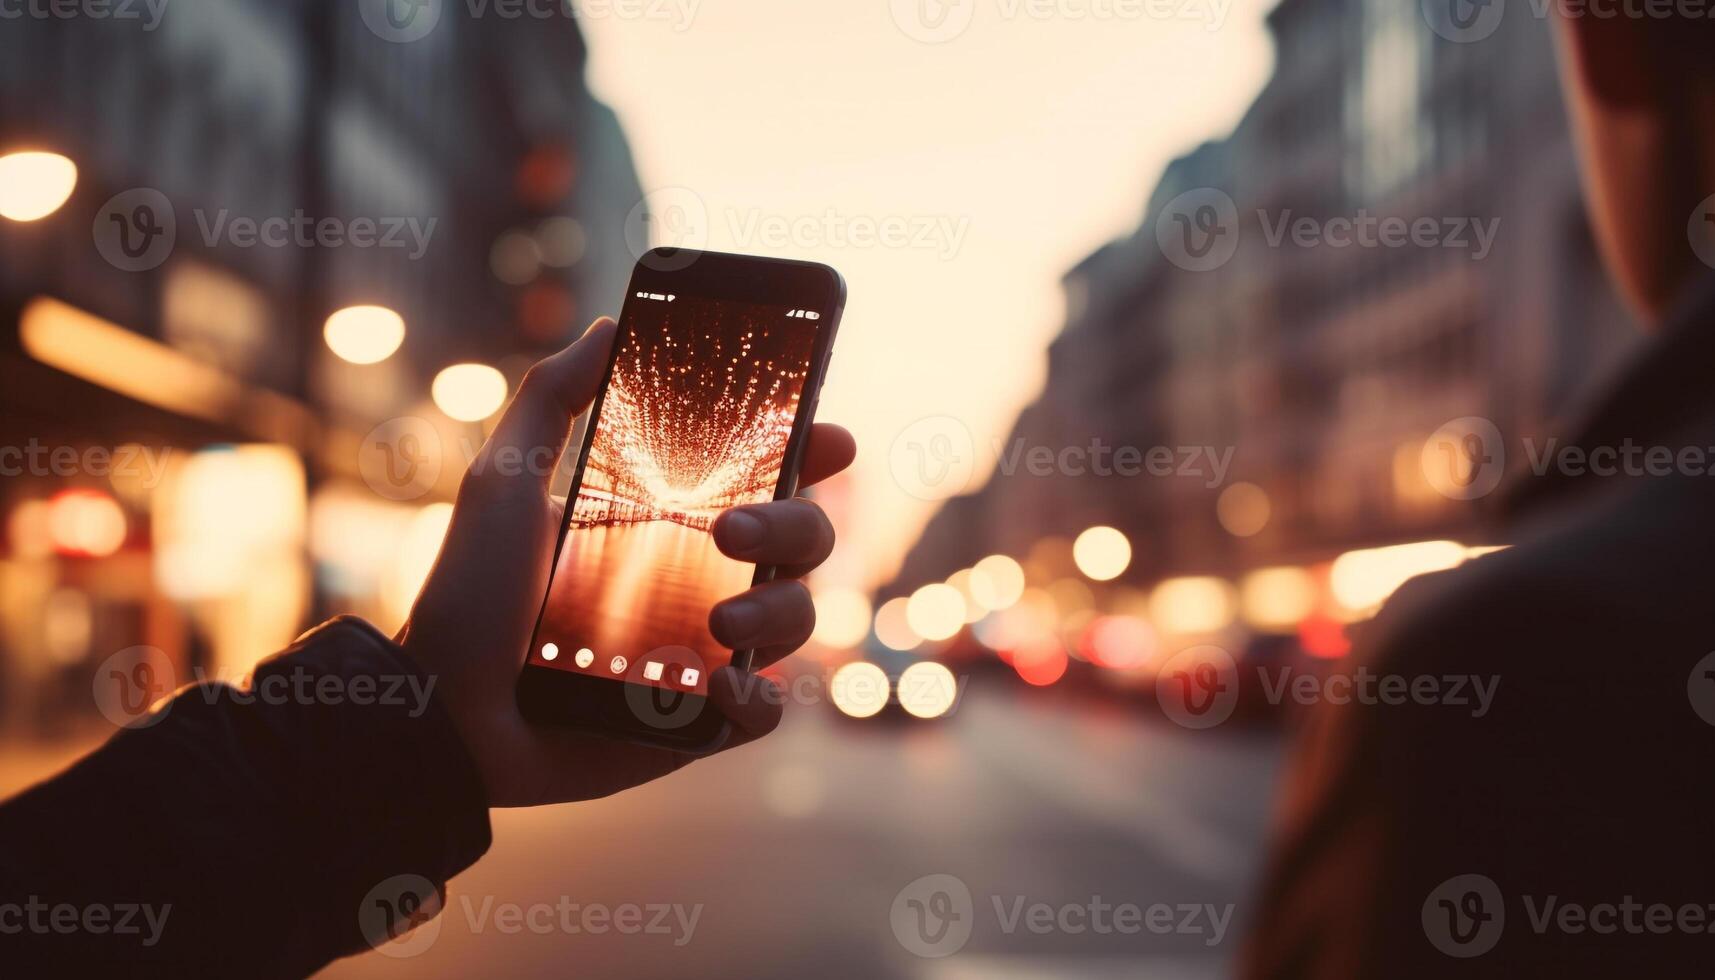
{"type": "Point", "coordinates": [796, 848]}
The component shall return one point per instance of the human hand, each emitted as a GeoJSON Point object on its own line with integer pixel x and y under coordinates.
{"type": "Point", "coordinates": [472, 622]}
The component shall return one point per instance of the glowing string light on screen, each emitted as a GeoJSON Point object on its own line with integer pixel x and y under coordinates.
{"type": "Point", "coordinates": [686, 431]}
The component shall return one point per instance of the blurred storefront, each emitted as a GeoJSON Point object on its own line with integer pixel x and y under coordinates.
{"type": "Point", "coordinates": [190, 438]}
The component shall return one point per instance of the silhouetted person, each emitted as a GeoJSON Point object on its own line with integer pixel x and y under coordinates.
{"type": "Point", "coordinates": [1570, 832]}
{"type": "Point", "coordinates": [239, 837]}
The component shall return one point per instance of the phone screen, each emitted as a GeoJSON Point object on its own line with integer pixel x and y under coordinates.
{"type": "Point", "coordinates": [695, 419]}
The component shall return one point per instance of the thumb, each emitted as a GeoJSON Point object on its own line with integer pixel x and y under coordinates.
{"type": "Point", "coordinates": [534, 428]}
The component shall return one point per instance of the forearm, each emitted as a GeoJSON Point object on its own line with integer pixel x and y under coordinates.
{"type": "Point", "coordinates": [242, 832]}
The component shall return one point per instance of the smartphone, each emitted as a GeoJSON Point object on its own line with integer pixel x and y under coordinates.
{"type": "Point", "coordinates": [706, 405]}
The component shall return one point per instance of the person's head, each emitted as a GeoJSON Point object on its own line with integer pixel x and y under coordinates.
{"type": "Point", "coordinates": [1641, 92]}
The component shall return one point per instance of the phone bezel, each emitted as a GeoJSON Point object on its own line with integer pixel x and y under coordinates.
{"type": "Point", "coordinates": [598, 705]}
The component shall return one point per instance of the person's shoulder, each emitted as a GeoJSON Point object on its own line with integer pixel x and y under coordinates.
{"type": "Point", "coordinates": [1622, 570]}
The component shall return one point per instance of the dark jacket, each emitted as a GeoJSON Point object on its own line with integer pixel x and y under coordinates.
{"type": "Point", "coordinates": [240, 836]}
{"type": "Point", "coordinates": [1570, 831]}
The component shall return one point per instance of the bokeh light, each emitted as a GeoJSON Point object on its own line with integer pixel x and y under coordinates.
{"type": "Point", "coordinates": [1243, 509]}
{"type": "Point", "coordinates": [364, 334]}
{"type": "Point", "coordinates": [1364, 579]}
{"type": "Point", "coordinates": [1041, 662]}
{"type": "Point", "coordinates": [927, 689]}
{"type": "Point", "coordinates": [859, 689]}
{"type": "Point", "coordinates": [1101, 553]}
{"type": "Point", "coordinates": [1119, 642]}
{"type": "Point", "coordinates": [86, 523]}
{"type": "Point", "coordinates": [469, 392]}
{"type": "Point", "coordinates": [1276, 598]}
{"type": "Point", "coordinates": [893, 628]}
{"type": "Point", "coordinates": [997, 581]}
{"type": "Point", "coordinates": [34, 184]}
{"type": "Point", "coordinates": [936, 611]}
{"type": "Point", "coordinates": [1192, 604]}
{"type": "Point", "coordinates": [842, 618]}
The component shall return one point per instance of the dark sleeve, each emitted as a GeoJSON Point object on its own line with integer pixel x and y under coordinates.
{"type": "Point", "coordinates": [247, 833]}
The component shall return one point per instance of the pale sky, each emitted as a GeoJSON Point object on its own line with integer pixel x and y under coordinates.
{"type": "Point", "coordinates": [1006, 154]}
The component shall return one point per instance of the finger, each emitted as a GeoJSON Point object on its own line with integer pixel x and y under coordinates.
{"type": "Point", "coordinates": [781, 532]}
{"type": "Point", "coordinates": [772, 613]}
{"type": "Point", "coordinates": [532, 433]}
{"type": "Point", "coordinates": [754, 704]}
{"type": "Point", "coordinates": [830, 450]}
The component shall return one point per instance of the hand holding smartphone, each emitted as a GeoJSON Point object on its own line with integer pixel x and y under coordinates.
{"type": "Point", "coordinates": [707, 403]}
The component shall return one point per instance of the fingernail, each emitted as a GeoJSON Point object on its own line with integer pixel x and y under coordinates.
{"type": "Point", "coordinates": [743, 532]}
{"type": "Point", "coordinates": [743, 619]}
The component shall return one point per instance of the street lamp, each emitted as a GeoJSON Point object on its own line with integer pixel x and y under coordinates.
{"type": "Point", "coordinates": [34, 185]}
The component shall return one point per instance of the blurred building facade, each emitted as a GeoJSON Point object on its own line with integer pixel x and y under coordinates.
{"type": "Point", "coordinates": [466, 180]}
{"type": "Point", "coordinates": [1323, 368]}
